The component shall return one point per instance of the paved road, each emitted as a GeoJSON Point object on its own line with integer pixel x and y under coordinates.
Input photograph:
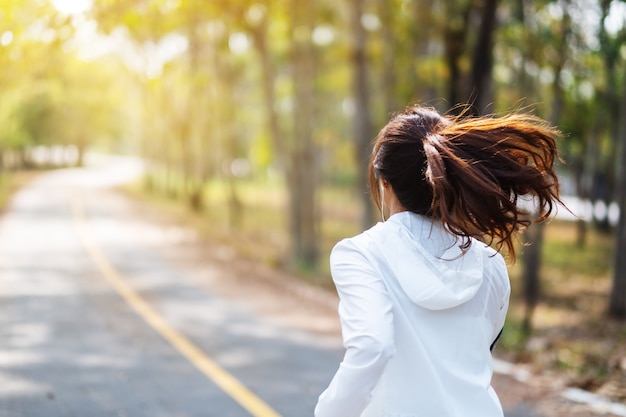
{"type": "Point", "coordinates": [95, 321]}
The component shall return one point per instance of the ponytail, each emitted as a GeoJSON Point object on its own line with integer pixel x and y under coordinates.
{"type": "Point", "coordinates": [469, 173]}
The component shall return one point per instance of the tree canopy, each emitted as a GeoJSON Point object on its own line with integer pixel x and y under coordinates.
{"type": "Point", "coordinates": [225, 88]}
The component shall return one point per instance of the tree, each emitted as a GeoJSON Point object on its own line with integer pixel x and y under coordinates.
{"type": "Point", "coordinates": [558, 41]}
{"type": "Point", "coordinates": [361, 121]}
{"type": "Point", "coordinates": [610, 52]}
{"type": "Point", "coordinates": [455, 38]}
{"type": "Point", "coordinates": [212, 103]}
{"type": "Point", "coordinates": [480, 94]}
{"type": "Point", "coordinates": [302, 176]}
{"type": "Point", "coordinates": [617, 302]}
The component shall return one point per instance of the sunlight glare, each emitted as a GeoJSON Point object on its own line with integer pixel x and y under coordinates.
{"type": "Point", "coordinates": [6, 38]}
{"type": "Point", "coordinates": [72, 6]}
{"type": "Point", "coordinates": [616, 19]}
{"type": "Point", "coordinates": [323, 35]}
{"type": "Point", "coordinates": [371, 22]}
{"type": "Point", "coordinates": [238, 43]}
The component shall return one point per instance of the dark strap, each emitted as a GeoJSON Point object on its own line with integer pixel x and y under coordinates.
{"type": "Point", "coordinates": [493, 345]}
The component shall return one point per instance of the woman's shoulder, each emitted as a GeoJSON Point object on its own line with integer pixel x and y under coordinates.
{"type": "Point", "coordinates": [495, 268]}
{"type": "Point", "coordinates": [491, 257]}
{"type": "Point", "coordinates": [361, 242]}
{"type": "Point", "coordinates": [360, 249]}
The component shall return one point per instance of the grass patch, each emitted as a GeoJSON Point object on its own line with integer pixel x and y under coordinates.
{"type": "Point", "coordinates": [12, 181]}
{"type": "Point", "coordinates": [251, 217]}
{"type": "Point", "coordinates": [562, 253]}
{"type": "Point", "coordinates": [572, 335]}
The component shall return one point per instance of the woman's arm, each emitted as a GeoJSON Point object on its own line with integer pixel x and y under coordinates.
{"type": "Point", "coordinates": [365, 311]}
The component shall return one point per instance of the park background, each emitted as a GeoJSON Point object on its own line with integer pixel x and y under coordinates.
{"type": "Point", "coordinates": [254, 120]}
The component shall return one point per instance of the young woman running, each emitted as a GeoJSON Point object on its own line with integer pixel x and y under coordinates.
{"type": "Point", "coordinates": [424, 294]}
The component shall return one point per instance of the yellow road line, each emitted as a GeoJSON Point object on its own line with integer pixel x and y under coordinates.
{"type": "Point", "coordinates": [229, 384]}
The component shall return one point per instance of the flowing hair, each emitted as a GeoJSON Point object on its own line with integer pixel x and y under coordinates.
{"type": "Point", "coordinates": [469, 173]}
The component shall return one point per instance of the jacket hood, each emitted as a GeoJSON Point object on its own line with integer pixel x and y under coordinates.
{"type": "Point", "coordinates": [427, 261]}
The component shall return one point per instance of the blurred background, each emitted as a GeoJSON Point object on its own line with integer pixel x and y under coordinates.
{"type": "Point", "coordinates": [254, 121]}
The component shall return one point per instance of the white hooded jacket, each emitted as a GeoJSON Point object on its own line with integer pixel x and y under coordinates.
{"type": "Point", "coordinates": [418, 318]}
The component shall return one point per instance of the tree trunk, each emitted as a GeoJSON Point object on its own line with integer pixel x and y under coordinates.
{"type": "Point", "coordinates": [80, 161]}
{"type": "Point", "coordinates": [579, 180]}
{"type": "Point", "coordinates": [610, 53]}
{"type": "Point", "coordinates": [617, 303]}
{"type": "Point", "coordinates": [480, 94]}
{"type": "Point", "coordinates": [590, 162]}
{"type": "Point", "coordinates": [535, 233]}
{"type": "Point", "coordinates": [362, 123]}
{"type": "Point", "coordinates": [424, 38]}
{"type": "Point", "coordinates": [389, 79]}
{"type": "Point", "coordinates": [269, 96]}
{"type": "Point", "coordinates": [530, 276]}
{"type": "Point", "coordinates": [303, 170]}
{"type": "Point", "coordinates": [454, 44]}
{"type": "Point", "coordinates": [531, 256]}
{"type": "Point", "coordinates": [225, 109]}
{"type": "Point", "coordinates": [281, 152]}
{"type": "Point", "coordinates": [194, 183]}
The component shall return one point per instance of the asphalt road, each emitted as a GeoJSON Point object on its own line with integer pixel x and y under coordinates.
{"type": "Point", "coordinates": [95, 321]}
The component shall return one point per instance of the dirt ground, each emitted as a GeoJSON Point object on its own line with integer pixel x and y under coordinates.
{"type": "Point", "coordinates": [294, 303]}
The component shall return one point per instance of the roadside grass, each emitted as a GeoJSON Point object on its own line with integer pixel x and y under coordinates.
{"type": "Point", "coordinates": [11, 181]}
{"type": "Point", "coordinates": [572, 336]}
{"type": "Point", "coordinates": [257, 226]}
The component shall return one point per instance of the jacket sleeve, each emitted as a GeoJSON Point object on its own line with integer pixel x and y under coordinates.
{"type": "Point", "coordinates": [502, 290]}
{"type": "Point", "coordinates": [365, 311]}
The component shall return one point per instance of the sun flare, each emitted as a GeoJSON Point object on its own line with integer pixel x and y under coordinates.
{"type": "Point", "coordinates": [72, 6]}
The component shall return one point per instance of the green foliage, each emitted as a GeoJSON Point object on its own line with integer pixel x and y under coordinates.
{"type": "Point", "coordinates": [527, 48]}
{"type": "Point", "coordinates": [193, 85]}
{"type": "Point", "coordinates": [514, 337]}
{"type": "Point", "coordinates": [568, 259]}
{"type": "Point", "coordinates": [48, 94]}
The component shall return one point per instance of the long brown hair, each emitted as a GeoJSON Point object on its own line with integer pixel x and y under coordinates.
{"type": "Point", "coordinates": [470, 173]}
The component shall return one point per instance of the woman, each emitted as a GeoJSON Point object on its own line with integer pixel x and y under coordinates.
{"type": "Point", "coordinates": [423, 298]}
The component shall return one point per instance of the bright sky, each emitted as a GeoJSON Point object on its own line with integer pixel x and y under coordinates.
{"type": "Point", "coordinates": [72, 6]}
{"type": "Point", "coordinates": [91, 44]}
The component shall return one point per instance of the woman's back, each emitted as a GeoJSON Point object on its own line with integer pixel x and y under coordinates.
{"type": "Point", "coordinates": [448, 308]}
{"type": "Point", "coordinates": [422, 300]}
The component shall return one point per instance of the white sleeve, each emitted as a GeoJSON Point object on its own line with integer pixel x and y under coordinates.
{"type": "Point", "coordinates": [365, 311]}
{"type": "Point", "coordinates": [501, 283]}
